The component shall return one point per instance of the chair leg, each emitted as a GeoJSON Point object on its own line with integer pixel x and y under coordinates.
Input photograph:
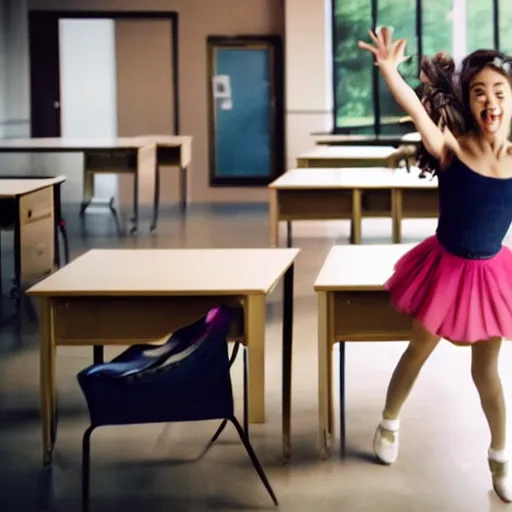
{"type": "Point", "coordinates": [254, 459]}
{"type": "Point", "coordinates": [234, 354]}
{"type": "Point", "coordinates": [86, 467]}
{"type": "Point", "coordinates": [217, 434]}
{"type": "Point", "coordinates": [246, 394]}
{"type": "Point", "coordinates": [222, 426]}
{"type": "Point", "coordinates": [343, 432]}
{"type": "Point", "coordinates": [232, 359]}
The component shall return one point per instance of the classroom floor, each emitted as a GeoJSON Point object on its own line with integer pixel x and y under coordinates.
{"type": "Point", "coordinates": [442, 466]}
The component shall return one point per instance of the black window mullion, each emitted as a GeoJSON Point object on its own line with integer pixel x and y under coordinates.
{"type": "Point", "coordinates": [419, 32]}
{"type": "Point", "coordinates": [496, 23]}
{"type": "Point", "coordinates": [334, 40]}
{"type": "Point", "coordinates": [375, 77]}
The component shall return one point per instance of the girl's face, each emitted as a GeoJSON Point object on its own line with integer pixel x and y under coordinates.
{"type": "Point", "coordinates": [490, 101]}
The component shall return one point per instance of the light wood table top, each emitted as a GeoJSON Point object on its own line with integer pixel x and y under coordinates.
{"type": "Point", "coordinates": [163, 140]}
{"type": "Point", "coordinates": [10, 187]}
{"type": "Point", "coordinates": [80, 144]}
{"type": "Point", "coordinates": [412, 137]}
{"type": "Point", "coordinates": [359, 267]}
{"type": "Point", "coordinates": [372, 177]}
{"type": "Point", "coordinates": [169, 272]}
{"type": "Point", "coordinates": [349, 152]}
{"type": "Point", "coordinates": [370, 140]}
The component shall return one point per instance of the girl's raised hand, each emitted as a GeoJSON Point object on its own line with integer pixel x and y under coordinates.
{"type": "Point", "coordinates": [385, 50]}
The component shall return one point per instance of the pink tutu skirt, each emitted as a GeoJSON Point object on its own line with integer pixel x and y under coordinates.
{"type": "Point", "coordinates": [461, 300]}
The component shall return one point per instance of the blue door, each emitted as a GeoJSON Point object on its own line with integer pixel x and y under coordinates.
{"type": "Point", "coordinates": [242, 114]}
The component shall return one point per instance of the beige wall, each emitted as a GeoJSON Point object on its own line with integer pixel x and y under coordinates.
{"type": "Point", "coordinates": [144, 93]}
{"type": "Point", "coordinates": [198, 19]}
{"type": "Point", "coordinates": [3, 65]}
{"type": "Point", "coordinates": [308, 73]}
{"type": "Point", "coordinates": [14, 80]}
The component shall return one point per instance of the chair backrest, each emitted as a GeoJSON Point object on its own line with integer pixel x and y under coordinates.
{"type": "Point", "coordinates": [191, 384]}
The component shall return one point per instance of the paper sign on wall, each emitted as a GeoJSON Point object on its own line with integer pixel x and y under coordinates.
{"type": "Point", "coordinates": [221, 87]}
{"type": "Point", "coordinates": [226, 104]}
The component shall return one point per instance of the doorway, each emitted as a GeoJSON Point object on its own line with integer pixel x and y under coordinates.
{"type": "Point", "coordinates": [88, 89]}
{"type": "Point", "coordinates": [246, 128]}
{"type": "Point", "coordinates": [140, 50]}
{"type": "Point", "coordinates": [45, 72]}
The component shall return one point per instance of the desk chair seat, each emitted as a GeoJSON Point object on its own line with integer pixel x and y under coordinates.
{"type": "Point", "coordinates": [186, 379]}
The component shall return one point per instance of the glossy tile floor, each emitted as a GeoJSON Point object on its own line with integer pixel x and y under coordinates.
{"type": "Point", "coordinates": [444, 437]}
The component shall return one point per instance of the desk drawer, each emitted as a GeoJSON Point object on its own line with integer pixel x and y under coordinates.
{"type": "Point", "coordinates": [314, 204]}
{"type": "Point", "coordinates": [36, 206]}
{"type": "Point", "coordinates": [368, 316]}
{"type": "Point", "coordinates": [376, 202]}
{"type": "Point", "coordinates": [420, 203]}
{"type": "Point", "coordinates": [127, 320]}
{"type": "Point", "coordinates": [170, 155]}
{"type": "Point", "coordinates": [110, 161]}
{"type": "Point", "coordinates": [37, 234]}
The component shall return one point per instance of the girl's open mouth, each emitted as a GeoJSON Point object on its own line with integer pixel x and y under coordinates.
{"type": "Point", "coordinates": [491, 119]}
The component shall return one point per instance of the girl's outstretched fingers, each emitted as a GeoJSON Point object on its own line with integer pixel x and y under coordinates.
{"type": "Point", "coordinates": [373, 37]}
{"type": "Point", "coordinates": [367, 47]}
{"type": "Point", "coordinates": [384, 48]}
{"type": "Point", "coordinates": [385, 34]}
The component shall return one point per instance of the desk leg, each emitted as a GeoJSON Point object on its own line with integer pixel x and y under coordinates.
{"type": "Point", "coordinates": [135, 218]}
{"type": "Point", "coordinates": [47, 380]}
{"type": "Point", "coordinates": [324, 346]}
{"type": "Point", "coordinates": [255, 342]}
{"type": "Point", "coordinates": [156, 199]}
{"type": "Point", "coordinates": [273, 214]}
{"type": "Point", "coordinates": [356, 223]}
{"type": "Point", "coordinates": [396, 212]}
{"type": "Point", "coordinates": [183, 189]}
{"type": "Point", "coordinates": [342, 399]}
{"type": "Point", "coordinates": [88, 189]}
{"type": "Point", "coordinates": [287, 359]}
{"type": "Point", "coordinates": [289, 234]}
{"type": "Point", "coordinates": [98, 354]}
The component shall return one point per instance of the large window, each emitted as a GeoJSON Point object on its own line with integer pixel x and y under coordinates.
{"type": "Point", "coordinates": [505, 25]}
{"type": "Point", "coordinates": [363, 103]}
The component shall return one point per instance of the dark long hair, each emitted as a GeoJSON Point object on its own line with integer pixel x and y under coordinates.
{"type": "Point", "coordinates": [442, 99]}
{"type": "Point", "coordinates": [472, 65]}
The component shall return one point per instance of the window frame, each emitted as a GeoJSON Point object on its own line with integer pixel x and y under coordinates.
{"type": "Point", "coordinates": [377, 125]}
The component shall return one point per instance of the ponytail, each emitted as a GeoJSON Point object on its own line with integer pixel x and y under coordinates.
{"type": "Point", "coordinates": [441, 99]}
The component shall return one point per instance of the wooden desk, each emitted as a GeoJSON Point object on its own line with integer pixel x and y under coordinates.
{"type": "Point", "coordinates": [28, 207]}
{"type": "Point", "coordinates": [123, 297]}
{"type": "Point", "coordinates": [332, 194]}
{"type": "Point", "coordinates": [413, 138]}
{"type": "Point", "coordinates": [141, 157]}
{"type": "Point", "coordinates": [353, 306]}
{"type": "Point", "coordinates": [351, 156]}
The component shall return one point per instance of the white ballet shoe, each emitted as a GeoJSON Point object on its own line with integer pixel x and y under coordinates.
{"type": "Point", "coordinates": [501, 481]}
{"type": "Point", "coordinates": [386, 441]}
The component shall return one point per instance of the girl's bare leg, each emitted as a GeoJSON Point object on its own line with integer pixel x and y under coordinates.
{"type": "Point", "coordinates": [422, 344]}
{"type": "Point", "coordinates": [484, 370]}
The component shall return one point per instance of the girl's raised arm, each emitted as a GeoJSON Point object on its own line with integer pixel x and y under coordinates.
{"type": "Point", "coordinates": [389, 55]}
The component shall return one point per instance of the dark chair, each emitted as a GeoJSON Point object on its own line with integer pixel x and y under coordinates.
{"type": "Point", "coordinates": [186, 379]}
